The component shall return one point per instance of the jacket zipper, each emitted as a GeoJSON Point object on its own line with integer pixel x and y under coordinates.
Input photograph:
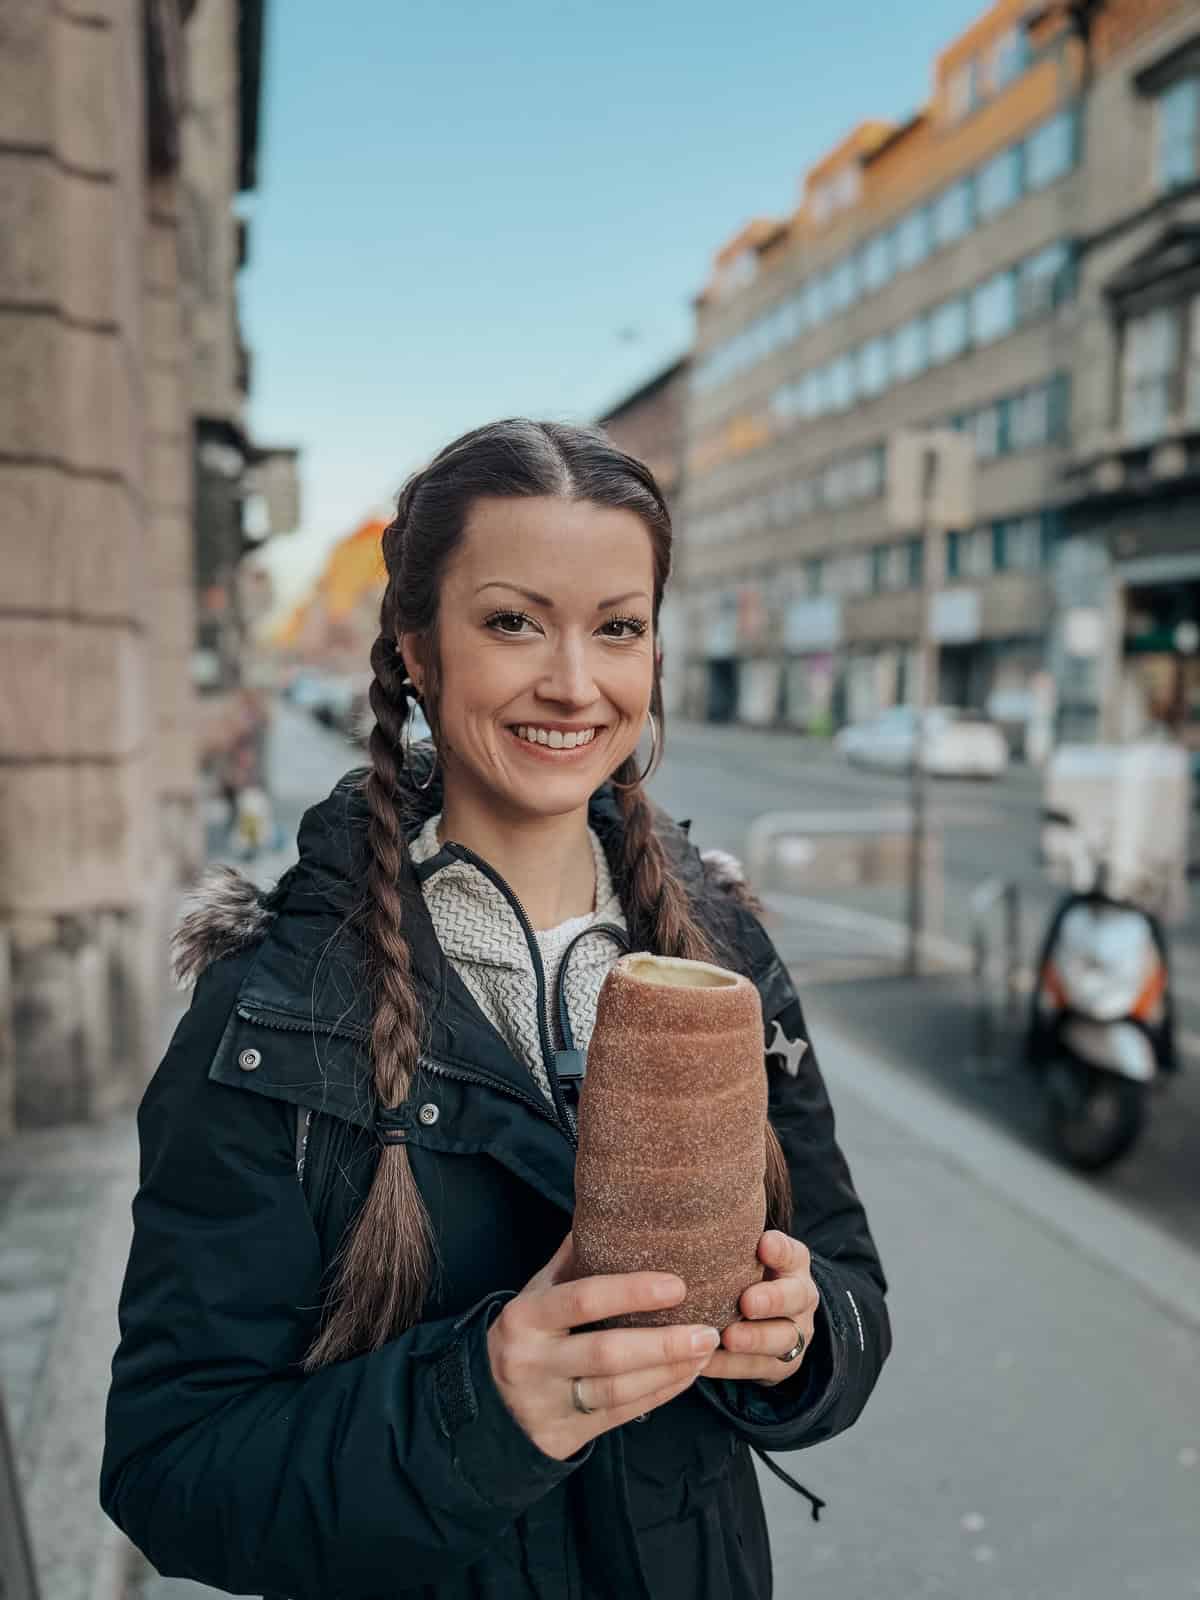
{"type": "Point", "coordinates": [461, 853]}
{"type": "Point", "coordinates": [432, 1064]}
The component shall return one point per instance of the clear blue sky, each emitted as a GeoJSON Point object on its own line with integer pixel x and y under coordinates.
{"type": "Point", "coordinates": [464, 207]}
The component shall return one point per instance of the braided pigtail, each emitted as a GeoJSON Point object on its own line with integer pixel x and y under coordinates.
{"type": "Point", "coordinates": [661, 920]}
{"type": "Point", "coordinates": [387, 1259]}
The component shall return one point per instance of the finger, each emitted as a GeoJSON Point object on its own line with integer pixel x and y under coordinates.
{"type": "Point", "coordinates": [611, 1394]}
{"type": "Point", "coordinates": [762, 1369]}
{"type": "Point", "coordinates": [625, 1350]}
{"type": "Point", "coordinates": [774, 1337]}
{"type": "Point", "coordinates": [783, 1253]}
{"type": "Point", "coordinates": [564, 1306]}
{"type": "Point", "coordinates": [781, 1297]}
{"type": "Point", "coordinates": [649, 1402]}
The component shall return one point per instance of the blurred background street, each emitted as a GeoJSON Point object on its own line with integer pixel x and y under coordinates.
{"type": "Point", "coordinates": [903, 311]}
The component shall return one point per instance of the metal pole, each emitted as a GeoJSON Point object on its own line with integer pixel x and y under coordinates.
{"type": "Point", "coordinates": [927, 657]}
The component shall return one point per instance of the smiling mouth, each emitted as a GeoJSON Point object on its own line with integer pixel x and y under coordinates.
{"type": "Point", "coordinates": [553, 738]}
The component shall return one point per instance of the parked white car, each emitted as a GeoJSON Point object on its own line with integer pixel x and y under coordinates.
{"type": "Point", "coordinates": [957, 744]}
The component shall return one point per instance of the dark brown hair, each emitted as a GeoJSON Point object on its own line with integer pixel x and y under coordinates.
{"type": "Point", "coordinates": [384, 1266]}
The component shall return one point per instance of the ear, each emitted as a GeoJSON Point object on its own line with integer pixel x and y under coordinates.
{"type": "Point", "coordinates": [407, 647]}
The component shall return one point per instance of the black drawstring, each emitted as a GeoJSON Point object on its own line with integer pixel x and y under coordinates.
{"type": "Point", "coordinates": [817, 1505]}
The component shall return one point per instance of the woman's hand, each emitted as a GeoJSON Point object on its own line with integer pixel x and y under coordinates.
{"type": "Point", "coordinates": [622, 1372]}
{"type": "Point", "coordinates": [786, 1300]}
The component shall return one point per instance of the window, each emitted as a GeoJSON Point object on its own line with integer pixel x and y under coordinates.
{"type": "Point", "coordinates": [953, 213]}
{"type": "Point", "coordinates": [841, 288]}
{"type": "Point", "coordinates": [975, 553]}
{"type": "Point", "coordinates": [1178, 153]}
{"type": "Point", "coordinates": [814, 302]}
{"type": "Point", "coordinates": [916, 563]}
{"type": "Point", "coordinates": [984, 428]}
{"type": "Point", "coordinates": [954, 543]}
{"type": "Point", "coordinates": [1050, 151]}
{"type": "Point", "coordinates": [813, 393]}
{"type": "Point", "coordinates": [1191, 394]}
{"type": "Point", "coordinates": [1029, 419]}
{"type": "Point", "coordinates": [1017, 545]}
{"type": "Point", "coordinates": [1043, 281]}
{"type": "Point", "coordinates": [873, 367]}
{"type": "Point", "coordinates": [841, 383]}
{"type": "Point", "coordinates": [1151, 358]}
{"type": "Point", "coordinates": [962, 91]}
{"type": "Point", "coordinates": [994, 308]}
{"type": "Point", "coordinates": [909, 353]}
{"type": "Point", "coordinates": [1008, 59]}
{"type": "Point", "coordinates": [814, 573]}
{"type": "Point", "coordinates": [998, 184]}
{"type": "Point", "coordinates": [947, 331]}
{"type": "Point", "coordinates": [876, 261]}
{"type": "Point", "coordinates": [912, 238]}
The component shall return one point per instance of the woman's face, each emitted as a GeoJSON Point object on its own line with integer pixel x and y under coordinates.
{"type": "Point", "coordinates": [545, 650]}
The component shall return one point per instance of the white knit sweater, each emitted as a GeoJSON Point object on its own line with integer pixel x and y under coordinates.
{"type": "Point", "coordinates": [482, 938]}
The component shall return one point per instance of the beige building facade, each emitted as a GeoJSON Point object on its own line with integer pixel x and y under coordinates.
{"type": "Point", "coordinates": [106, 342]}
{"type": "Point", "coordinates": [937, 273]}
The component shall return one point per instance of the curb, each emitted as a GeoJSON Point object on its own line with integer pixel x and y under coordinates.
{"type": "Point", "coordinates": [1089, 1220]}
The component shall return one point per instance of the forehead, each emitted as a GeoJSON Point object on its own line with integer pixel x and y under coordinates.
{"type": "Point", "coordinates": [548, 543]}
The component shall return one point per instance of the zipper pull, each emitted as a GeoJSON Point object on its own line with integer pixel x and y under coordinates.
{"type": "Point", "coordinates": [570, 1066]}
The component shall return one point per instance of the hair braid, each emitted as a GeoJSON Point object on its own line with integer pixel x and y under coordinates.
{"type": "Point", "coordinates": [661, 918]}
{"type": "Point", "coordinates": [387, 1258]}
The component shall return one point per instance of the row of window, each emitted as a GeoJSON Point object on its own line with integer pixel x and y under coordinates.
{"type": "Point", "coordinates": [996, 307]}
{"type": "Point", "coordinates": [1026, 420]}
{"type": "Point", "coordinates": [1043, 156]}
{"type": "Point", "coordinates": [1013, 544]}
{"type": "Point", "coordinates": [982, 76]}
{"type": "Point", "coordinates": [845, 481]}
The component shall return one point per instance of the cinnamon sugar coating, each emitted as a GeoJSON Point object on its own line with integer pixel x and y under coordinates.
{"type": "Point", "coordinates": [670, 1171]}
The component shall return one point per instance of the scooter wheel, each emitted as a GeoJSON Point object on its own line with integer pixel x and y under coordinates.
{"type": "Point", "coordinates": [1094, 1117]}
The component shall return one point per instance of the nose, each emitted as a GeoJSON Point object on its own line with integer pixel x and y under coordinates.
{"type": "Point", "coordinates": [568, 677]}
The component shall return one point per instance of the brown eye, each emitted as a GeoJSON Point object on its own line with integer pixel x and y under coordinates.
{"type": "Point", "coordinates": [508, 622]}
{"type": "Point", "coordinates": [629, 627]}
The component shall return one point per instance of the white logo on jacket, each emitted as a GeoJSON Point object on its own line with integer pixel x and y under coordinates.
{"type": "Point", "coordinates": [790, 1049]}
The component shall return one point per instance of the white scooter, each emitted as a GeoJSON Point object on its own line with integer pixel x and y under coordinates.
{"type": "Point", "coordinates": [1102, 1028]}
{"type": "Point", "coordinates": [1101, 1031]}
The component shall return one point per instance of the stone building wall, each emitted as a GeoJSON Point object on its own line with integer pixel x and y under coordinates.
{"type": "Point", "coordinates": [97, 790]}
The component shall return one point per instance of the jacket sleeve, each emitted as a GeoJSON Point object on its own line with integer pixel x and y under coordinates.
{"type": "Point", "coordinates": [852, 1334]}
{"type": "Point", "coordinates": [222, 1461]}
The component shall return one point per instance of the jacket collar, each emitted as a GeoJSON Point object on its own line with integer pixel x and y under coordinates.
{"type": "Point", "coordinates": [307, 974]}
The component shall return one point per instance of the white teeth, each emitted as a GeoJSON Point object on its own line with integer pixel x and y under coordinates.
{"type": "Point", "coordinates": [555, 739]}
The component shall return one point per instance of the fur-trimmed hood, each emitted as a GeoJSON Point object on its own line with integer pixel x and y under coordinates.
{"type": "Point", "coordinates": [225, 911]}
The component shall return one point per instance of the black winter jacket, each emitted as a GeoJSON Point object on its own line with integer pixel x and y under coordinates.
{"type": "Point", "coordinates": [401, 1473]}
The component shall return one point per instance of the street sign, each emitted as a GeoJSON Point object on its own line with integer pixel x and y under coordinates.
{"type": "Point", "coordinates": [930, 479]}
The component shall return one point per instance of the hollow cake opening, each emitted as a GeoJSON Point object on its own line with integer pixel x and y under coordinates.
{"type": "Point", "coordinates": [673, 972]}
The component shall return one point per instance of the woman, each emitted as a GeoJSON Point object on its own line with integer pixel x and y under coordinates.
{"type": "Point", "coordinates": [367, 1382]}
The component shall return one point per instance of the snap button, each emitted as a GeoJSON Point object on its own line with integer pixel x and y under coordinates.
{"type": "Point", "coordinates": [249, 1059]}
{"type": "Point", "coordinates": [429, 1114]}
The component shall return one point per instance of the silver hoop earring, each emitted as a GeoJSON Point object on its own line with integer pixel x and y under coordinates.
{"type": "Point", "coordinates": [408, 751]}
{"type": "Point", "coordinates": [650, 765]}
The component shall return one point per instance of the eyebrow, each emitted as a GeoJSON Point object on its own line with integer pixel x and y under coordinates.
{"type": "Point", "coordinates": [544, 600]}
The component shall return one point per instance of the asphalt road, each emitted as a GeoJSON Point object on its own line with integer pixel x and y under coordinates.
{"type": "Point", "coordinates": [1036, 1434]}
